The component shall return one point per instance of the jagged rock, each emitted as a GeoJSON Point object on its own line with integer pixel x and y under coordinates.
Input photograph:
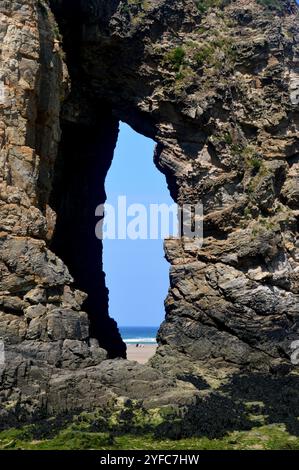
{"type": "Point", "coordinates": [12, 328]}
{"type": "Point", "coordinates": [13, 304]}
{"type": "Point", "coordinates": [36, 296]}
{"type": "Point", "coordinates": [218, 91]}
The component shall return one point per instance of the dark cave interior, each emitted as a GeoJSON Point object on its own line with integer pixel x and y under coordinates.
{"type": "Point", "coordinates": [85, 156]}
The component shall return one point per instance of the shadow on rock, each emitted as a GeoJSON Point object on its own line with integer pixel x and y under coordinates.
{"type": "Point", "coordinates": [245, 402]}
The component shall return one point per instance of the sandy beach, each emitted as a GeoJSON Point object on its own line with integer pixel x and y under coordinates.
{"type": "Point", "coordinates": [141, 354]}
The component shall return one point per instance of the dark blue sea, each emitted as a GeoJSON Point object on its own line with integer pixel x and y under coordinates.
{"type": "Point", "coordinates": [139, 334]}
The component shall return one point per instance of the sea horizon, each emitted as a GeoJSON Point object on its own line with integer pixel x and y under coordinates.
{"type": "Point", "coordinates": [139, 334]}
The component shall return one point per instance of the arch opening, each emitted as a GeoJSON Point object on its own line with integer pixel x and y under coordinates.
{"type": "Point", "coordinates": [137, 273]}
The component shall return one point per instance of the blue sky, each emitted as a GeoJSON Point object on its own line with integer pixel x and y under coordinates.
{"type": "Point", "coordinates": [137, 273]}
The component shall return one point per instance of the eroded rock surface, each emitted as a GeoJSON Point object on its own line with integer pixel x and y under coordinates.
{"type": "Point", "coordinates": [216, 85]}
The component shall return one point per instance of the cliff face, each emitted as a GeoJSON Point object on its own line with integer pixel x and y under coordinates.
{"type": "Point", "coordinates": [217, 89]}
{"type": "Point", "coordinates": [216, 85]}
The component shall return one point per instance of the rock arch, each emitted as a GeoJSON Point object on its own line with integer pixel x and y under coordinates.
{"type": "Point", "coordinates": [216, 91]}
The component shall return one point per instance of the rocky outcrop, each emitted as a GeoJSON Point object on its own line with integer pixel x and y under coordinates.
{"type": "Point", "coordinates": [217, 91]}
{"type": "Point", "coordinates": [215, 84]}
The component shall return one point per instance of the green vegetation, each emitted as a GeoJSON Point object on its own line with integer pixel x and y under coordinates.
{"type": "Point", "coordinates": [207, 54]}
{"type": "Point", "coordinates": [176, 58]}
{"type": "Point", "coordinates": [141, 4]}
{"type": "Point", "coordinates": [43, 7]}
{"type": "Point", "coordinates": [273, 224]}
{"type": "Point", "coordinates": [193, 55]}
{"type": "Point", "coordinates": [271, 4]}
{"type": "Point", "coordinates": [48, 16]}
{"type": "Point", "coordinates": [247, 213]}
{"type": "Point", "coordinates": [237, 149]}
{"type": "Point", "coordinates": [201, 30]}
{"type": "Point", "coordinates": [126, 425]}
{"type": "Point", "coordinates": [124, 8]}
{"type": "Point", "coordinates": [214, 52]}
{"type": "Point", "coordinates": [253, 160]}
{"type": "Point", "coordinates": [268, 223]}
{"type": "Point", "coordinates": [203, 55]}
{"type": "Point", "coordinates": [56, 32]}
{"type": "Point", "coordinates": [255, 163]}
{"type": "Point", "coordinates": [75, 437]}
{"type": "Point", "coordinates": [204, 5]}
{"type": "Point", "coordinates": [228, 138]}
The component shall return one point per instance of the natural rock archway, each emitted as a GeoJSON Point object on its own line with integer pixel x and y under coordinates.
{"type": "Point", "coordinates": [204, 97]}
{"type": "Point", "coordinates": [217, 89]}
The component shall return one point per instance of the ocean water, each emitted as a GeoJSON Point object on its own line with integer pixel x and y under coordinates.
{"type": "Point", "coordinates": [139, 334]}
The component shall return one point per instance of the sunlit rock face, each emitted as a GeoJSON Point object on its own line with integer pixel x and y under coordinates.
{"type": "Point", "coordinates": [217, 89]}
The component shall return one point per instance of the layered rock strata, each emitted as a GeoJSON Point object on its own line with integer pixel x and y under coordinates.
{"type": "Point", "coordinates": [216, 85]}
